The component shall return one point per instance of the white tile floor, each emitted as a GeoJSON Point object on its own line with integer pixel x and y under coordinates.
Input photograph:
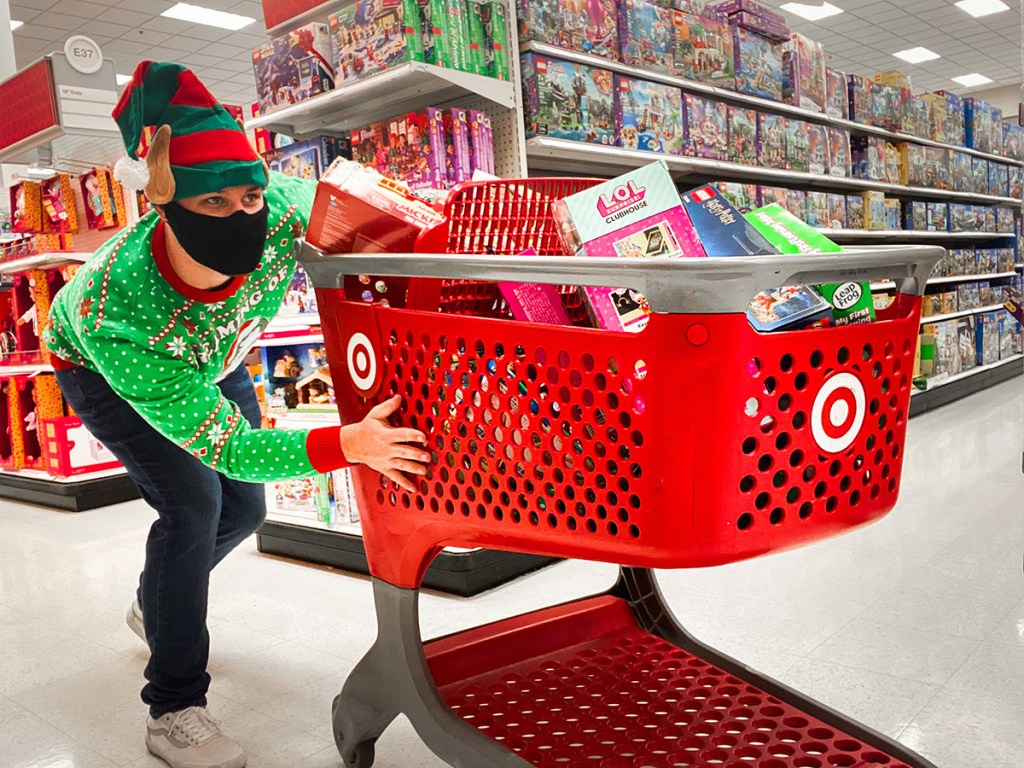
{"type": "Point", "coordinates": [915, 624]}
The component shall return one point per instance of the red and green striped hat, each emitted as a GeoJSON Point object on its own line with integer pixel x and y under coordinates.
{"type": "Point", "coordinates": [208, 150]}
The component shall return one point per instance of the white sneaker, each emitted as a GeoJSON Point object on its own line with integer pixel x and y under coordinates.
{"type": "Point", "coordinates": [191, 738]}
{"type": "Point", "coordinates": [134, 620]}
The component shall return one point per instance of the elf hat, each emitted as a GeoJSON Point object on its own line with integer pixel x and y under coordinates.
{"type": "Point", "coordinates": [197, 148]}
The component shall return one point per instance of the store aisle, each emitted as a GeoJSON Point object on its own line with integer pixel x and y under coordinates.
{"type": "Point", "coordinates": [915, 624]}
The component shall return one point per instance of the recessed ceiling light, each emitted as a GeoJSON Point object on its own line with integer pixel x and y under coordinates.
{"type": "Point", "coordinates": [123, 79]}
{"type": "Point", "coordinates": [982, 7]}
{"type": "Point", "coordinates": [916, 55]}
{"type": "Point", "coordinates": [973, 79]}
{"type": "Point", "coordinates": [15, 24]}
{"type": "Point", "coordinates": [199, 15]}
{"type": "Point", "coordinates": [812, 12]}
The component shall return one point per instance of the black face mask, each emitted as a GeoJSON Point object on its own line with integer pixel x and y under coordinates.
{"type": "Point", "coordinates": [231, 245]}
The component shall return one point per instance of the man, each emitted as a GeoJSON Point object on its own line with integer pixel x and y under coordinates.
{"type": "Point", "coordinates": [148, 341]}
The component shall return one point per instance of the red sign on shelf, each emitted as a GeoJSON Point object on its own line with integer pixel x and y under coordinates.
{"type": "Point", "coordinates": [29, 106]}
{"type": "Point", "coordinates": [277, 13]}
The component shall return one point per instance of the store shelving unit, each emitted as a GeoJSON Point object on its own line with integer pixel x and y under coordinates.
{"type": "Point", "coordinates": [71, 494]}
{"type": "Point", "coordinates": [910, 236]}
{"type": "Point", "coordinates": [944, 390]}
{"type": "Point", "coordinates": [929, 319]}
{"type": "Point", "coordinates": [889, 285]}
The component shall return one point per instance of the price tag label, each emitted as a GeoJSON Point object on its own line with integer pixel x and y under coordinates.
{"type": "Point", "coordinates": [83, 54]}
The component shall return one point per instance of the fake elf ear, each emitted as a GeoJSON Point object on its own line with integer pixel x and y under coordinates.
{"type": "Point", "coordinates": [161, 186]}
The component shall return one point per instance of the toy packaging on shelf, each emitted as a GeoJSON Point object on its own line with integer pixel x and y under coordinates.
{"type": "Point", "coordinates": [913, 165]}
{"type": "Point", "coordinates": [874, 209]}
{"type": "Point", "coordinates": [979, 173]}
{"type": "Point", "coordinates": [293, 67]}
{"type": "Point", "coordinates": [369, 146]}
{"type": "Point", "coordinates": [1004, 219]}
{"type": "Point", "coordinates": [891, 95]}
{"type": "Point", "coordinates": [637, 215]}
{"type": "Point", "coordinates": [645, 35]}
{"type": "Point", "coordinates": [817, 148]}
{"type": "Point", "coordinates": [892, 213]}
{"type": "Point", "coordinates": [840, 156]}
{"type": "Point", "coordinates": [915, 215]}
{"type": "Point", "coordinates": [893, 163]}
{"type": "Point", "coordinates": [590, 27]}
{"type": "Point", "coordinates": [859, 93]}
{"type": "Point", "coordinates": [742, 135]}
{"type": "Point", "coordinates": [495, 20]}
{"type": "Point", "coordinates": [998, 179]}
{"type": "Point", "coordinates": [453, 125]}
{"type": "Point", "coordinates": [411, 152]}
{"type": "Point", "coordinates": [1013, 141]}
{"type": "Point", "coordinates": [919, 118]}
{"type": "Point", "coordinates": [721, 229]}
{"type": "Point", "coordinates": [937, 171]}
{"type": "Point", "coordinates": [1015, 181]}
{"type": "Point", "coordinates": [1004, 259]}
{"type": "Point", "coordinates": [837, 216]}
{"type": "Point", "coordinates": [707, 125]}
{"type": "Point", "coordinates": [481, 142]}
{"type": "Point", "coordinates": [803, 73]}
{"type": "Point", "coordinates": [961, 171]}
{"type": "Point", "coordinates": [798, 141]}
{"type": "Point", "coordinates": [947, 349]}
{"type": "Point", "coordinates": [955, 117]}
{"type": "Point", "coordinates": [307, 159]}
{"type": "Point", "coordinates": [966, 344]}
{"type": "Point", "coordinates": [649, 116]}
{"type": "Point", "coordinates": [987, 340]}
{"type": "Point", "coordinates": [987, 260]}
{"type": "Point", "coordinates": [568, 101]}
{"type": "Point", "coordinates": [793, 200]}
{"type": "Point", "coordinates": [477, 37]}
{"type": "Point", "coordinates": [1009, 336]}
{"type": "Point", "coordinates": [968, 296]}
{"type": "Point", "coordinates": [744, 197]}
{"type": "Point", "coordinates": [703, 49]}
{"type": "Point", "coordinates": [539, 20]}
{"type": "Point", "coordinates": [855, 211]}
{"type": "Point", "coordinates": [868, 157]}
{"type": "Point", "coordinates": [758, 66]}
{"type": "Point", "coordinates": [986, 293]}
{"type": "Point", "coordinates": [371, 36]}
{"type": "Point", "coordinates": [771, 140]}
{"type": "Point", "coordinates": [983, 125]}
{"type": "Point", "coordinates": [817, 210]}
{"type": "Point", "coordinates": [837, 94]}
{"type": "Point", "coordinates": [938, 217]}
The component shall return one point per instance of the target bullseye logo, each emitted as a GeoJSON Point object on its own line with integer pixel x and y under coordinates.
{"type": "Point", "coordinates": [838, 413]}
{"type": "Point", "coordinates": [362, 361]}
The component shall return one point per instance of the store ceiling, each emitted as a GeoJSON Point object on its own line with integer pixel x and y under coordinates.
{"type": "Point", "coordinates": [860, 40]}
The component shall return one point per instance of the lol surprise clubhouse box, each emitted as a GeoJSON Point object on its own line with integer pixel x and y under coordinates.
{"type": "Point", "coordinates": [703, 49]}
{"type": "Point", "coordinates": [742, 135]}
{"type": "Point", "coordinates": [293, 67]}
{"type": "Point", "coordinates": [568, 101]}
{"type": "Point", "coordinates": [649, 116]}
{"type": "Point", "coordinates": [707, 123]}
{"type": "Point", "coordinates": [590, 26]}
{"type": "Point", "coordinates": [370, 36]}
{"type": "Point", "coordinates": [645, 35]}
{"type": "Point", "coordinates": [637, 215]}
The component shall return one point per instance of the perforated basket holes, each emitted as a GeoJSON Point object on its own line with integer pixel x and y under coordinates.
{"type": "Point", "coordinates": [480, 299]}
{"type": "Point", "coordinates": [635, 701]}
{"type": "Point", "coordinates": [537, 437]}
{"type": "Point", "coordinates": [785, 478]}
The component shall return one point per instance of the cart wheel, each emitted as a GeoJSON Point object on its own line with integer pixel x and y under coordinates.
{"type": "Point", "coordinates": [362, 757]}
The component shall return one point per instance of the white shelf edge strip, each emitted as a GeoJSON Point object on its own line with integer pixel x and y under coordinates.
{"type": "Point", "coordinates": [932, 319]}
{"type": "Point", "coordinates": [725, 94]}
{"type": "Point", "coordinates": [966, 374]}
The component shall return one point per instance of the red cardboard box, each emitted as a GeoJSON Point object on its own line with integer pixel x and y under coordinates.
{"type": "Point", "coordinates": [71, 450]}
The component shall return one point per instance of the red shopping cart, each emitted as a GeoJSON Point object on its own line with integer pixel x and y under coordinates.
{"type": "Point", "coordinates": [697, 442]}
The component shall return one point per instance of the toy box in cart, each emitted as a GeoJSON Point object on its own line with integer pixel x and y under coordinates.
{"type": "Point", "coordinates": [293, 67]}
{"type": "Point", "coordinates": [565, 100]}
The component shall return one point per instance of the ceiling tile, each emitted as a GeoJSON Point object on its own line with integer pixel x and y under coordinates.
{"type": "Point", "coordinates": [124, 16]}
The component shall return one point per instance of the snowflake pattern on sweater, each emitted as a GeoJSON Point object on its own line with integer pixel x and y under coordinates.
{"type": "Point", "coordinates": [163, 346]}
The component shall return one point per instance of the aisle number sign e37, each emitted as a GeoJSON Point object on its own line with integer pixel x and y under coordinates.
{"type": "Point", "coordinates": [83, 54]}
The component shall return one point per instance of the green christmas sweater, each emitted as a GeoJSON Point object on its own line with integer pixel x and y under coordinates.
{"type": "Point", "coordinates": [163, 345]}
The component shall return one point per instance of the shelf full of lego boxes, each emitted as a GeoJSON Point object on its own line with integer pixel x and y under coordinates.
{"type": "Point", "coordinates": [730, 94]}
{"type": "Point", "coordinates": [53, 217]}
{"type": "Point", "coordinates": [376, 63]}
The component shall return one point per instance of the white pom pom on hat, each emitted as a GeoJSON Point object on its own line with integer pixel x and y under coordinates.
{"type": "Point", "coordinates": [132, 173]}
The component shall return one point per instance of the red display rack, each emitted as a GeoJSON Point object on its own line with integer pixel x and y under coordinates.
{"type": "Point", "coordinates": [697, 442]}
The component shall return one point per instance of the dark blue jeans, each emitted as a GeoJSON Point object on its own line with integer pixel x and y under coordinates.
{"type": "Point", "coordinates": [202, 517]}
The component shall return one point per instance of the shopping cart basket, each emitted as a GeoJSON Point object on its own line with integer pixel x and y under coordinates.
{"type": "Point", "coordinates": [696, 442]}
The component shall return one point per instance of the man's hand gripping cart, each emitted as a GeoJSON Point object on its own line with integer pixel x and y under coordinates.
{"type": "Point", "coordinates": [694, 443]}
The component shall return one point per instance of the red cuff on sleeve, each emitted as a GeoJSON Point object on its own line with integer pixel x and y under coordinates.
{"type": "Point", "coordinates": [323, 447]}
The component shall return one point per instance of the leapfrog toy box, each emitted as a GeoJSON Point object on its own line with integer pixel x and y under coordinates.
{"type": "Point", "coordinates": [637, 215]}
{"type": "Point", "coordinates": [703, 49]}
{"type": "Point", "coordinates": [708, 127]}
{"type": "Point", "coordinates": [758, 66]}
{"type": "Point", "coordinates": [370, 36]}
{"type": "Point", "coordinates": [649, 116]}
{"type": "Point", "coordinates": [645, 35]}
{"type": "Point", "coordinates": [293, 67]}
{"type": "Point", "coordinates": [568, 101]}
